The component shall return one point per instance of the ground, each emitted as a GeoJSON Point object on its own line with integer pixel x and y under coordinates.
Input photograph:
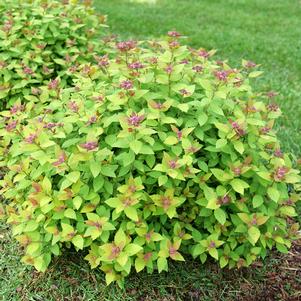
{"type": "Point", "coordinates": [266, 32]}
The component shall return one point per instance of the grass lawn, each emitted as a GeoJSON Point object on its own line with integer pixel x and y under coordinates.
{"type": "Point", "coordinates": [264, 31]}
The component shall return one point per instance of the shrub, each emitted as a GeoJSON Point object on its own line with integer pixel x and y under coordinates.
{"type": "Point", "coordinates": [163, 152]}
{"type": "Point", "coordinates": [43, 40]}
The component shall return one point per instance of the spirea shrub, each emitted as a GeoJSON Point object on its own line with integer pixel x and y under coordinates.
{"type": "Point", "coordinates": [42, 40]}
{"type": "Point", "coordinates": [157, 153]}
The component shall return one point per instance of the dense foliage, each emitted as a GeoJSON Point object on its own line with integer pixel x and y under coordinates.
{"type": "Point", "coordinates": [156, 152]}
{"type": "Point", "coordinates": [41, 40]}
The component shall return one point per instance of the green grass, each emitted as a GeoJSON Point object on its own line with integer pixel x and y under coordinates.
{"type": "Point", "coordinates": [267, 32]}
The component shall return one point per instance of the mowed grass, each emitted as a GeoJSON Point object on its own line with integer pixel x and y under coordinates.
{"type": "Point", "coordinates": [266, 32]}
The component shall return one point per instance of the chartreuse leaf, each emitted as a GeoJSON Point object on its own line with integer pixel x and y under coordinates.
{"type": "Point", "coordinates": [70, 213]}
{"type": "Point", "coordinates": [239, 185]}
{"type": "Point", "coordinates": [162, 264]}
{"type": "Point", "coordinates": [213, 252]}
{"type": "Point", "coordinates": [171, 140]}
{"type": "Point", "coordinates": [257, 201]}
{"type": "Point", "coordinates": [77, 202]}
{"type": "Point", "coordinates": [95, 168]}
{"type": "Point", "coordinates": [131, 213]}
{"type": "Point", "coordinates": [254, 235]}
{"type": "Point", "coordinates": [220, 215]}
{"type": "Point", "coordinates": [221, 175]}
{"type": "Point", "coordinates": [132, 249]}
{"type": "Point", "coordinates": [202, 118]}
{"type": "Point", "coordinates": [274, 194]}
{"type": "Point", "coordinates": [73, 176]}
{"type": "Point", "coordinates": [78, 241]}
{"type": "Point", "coordinates": [136, 146]}
{"type": "Point", "coordinates": [139, 264]}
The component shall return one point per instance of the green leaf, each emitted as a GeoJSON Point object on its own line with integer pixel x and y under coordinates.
{"type": "Point", "coordinates": [162, 264]}
{"type": "Point", "coordinates": [33, 247]}
{"type": "Point", "coordinates": [257, 201]}
{"type": "Point", "coordinates": [109, 170]}
{"type": "Point", "coordinates": [122, 259]}
{"type": "Point", "coordinates": [220, 215]}
{"type": "Point", "coordinates": [223, 261]}
{"type": "Point", "coordinates": [136, 146]}
{"type": "Point", "coordinates": [113, 202]}
{"type": "Point", "coordinates": [73, 176]}
{"type": "Point", "coordinates": [70, 213]}
{"type": "Point", "coordinates": [221, 175]}
{"type": "Point", "coordinates": [131, 213]}
{"type": "Point", "coordinates": [239, 146]}
{"type": "Point", "coordinates": [213, 252]}
{"type": "Point", "coordinates": [221, 143]}
{"type": "Point", "coordinates": [77, 202]}
{"type": "Point", "coordinates": [281, 248]}
{"type": "Point", "coordinates": [120, 237]}
{"type": "Point", "coordinates": [78, 241]}
{"type": "Point", "coordinates": [40, 264]}
{"type": "Point", "coordinates": [139, 264]}
{"type": "Point", "coordinates": [288, 211]}
{"type": "Point", "coordinates": [239, 185]}
{"type": "Point", "coordinates": [132, 249]}
{"type": "Point", "coordinates": [171, 140]}
{"type": "Point", "coordinates": [46, 184]}
{"type": "Point", "coordinates": [202, 118]}
{"type": "Point", "coordinates": [254, 235]}
{"type": "Point", "coordinates": [162, 180]}
{"type": "Point", "coordinates": [98, 183]}
{"type": "Point", "coordinates": [31, 226]}
{"type": "Point", "coordinates": [274, 194]}
{"type": "Point", "coordinates": [255, 74]}
{"type": "Point", "coordinates": [65, 184]}
{"type": "Point", "coordinates": [95, 168]}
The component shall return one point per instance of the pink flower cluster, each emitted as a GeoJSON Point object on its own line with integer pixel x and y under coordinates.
{"type": "Point", "coordinates": [224, 200]}
{"type": "Point", "coordinates": [135, 120]}
{"type": "Point", "coordinates": [221, 75]}
{"type": "Point", "coordinates": [51, 125]}
{"type": "Point", "coordinates": [11, 125]}
{"type": "Point", "coordinates": [103, 61]}
{"type": "Point", "coordinates": [53, 84]}
{"type": "Point", "coordinates": [280, 173]}
{"type": "Point", "coordinates": [73, 106]}
{"type": "Point", "coordinates": [31, 138]}
{"type": "Point", "coordinates": [172, 164]}
{"type": "Point", "coordinates": [126, 45]}
{"type": "Point", "coordinates": [89, 146]}
{"type": "Point", "coordinates": [174, 34]}
{"type": "Point", "coordinates": [238, 129]}
{"type": "Point", "coordinates": [16, 108]}
{"type": "Point", "coordinates": [136, 65]}
{"type": "Point", "coordinates": [61, 159]}
{"type": "Point", "coordinates": [126, 84]}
